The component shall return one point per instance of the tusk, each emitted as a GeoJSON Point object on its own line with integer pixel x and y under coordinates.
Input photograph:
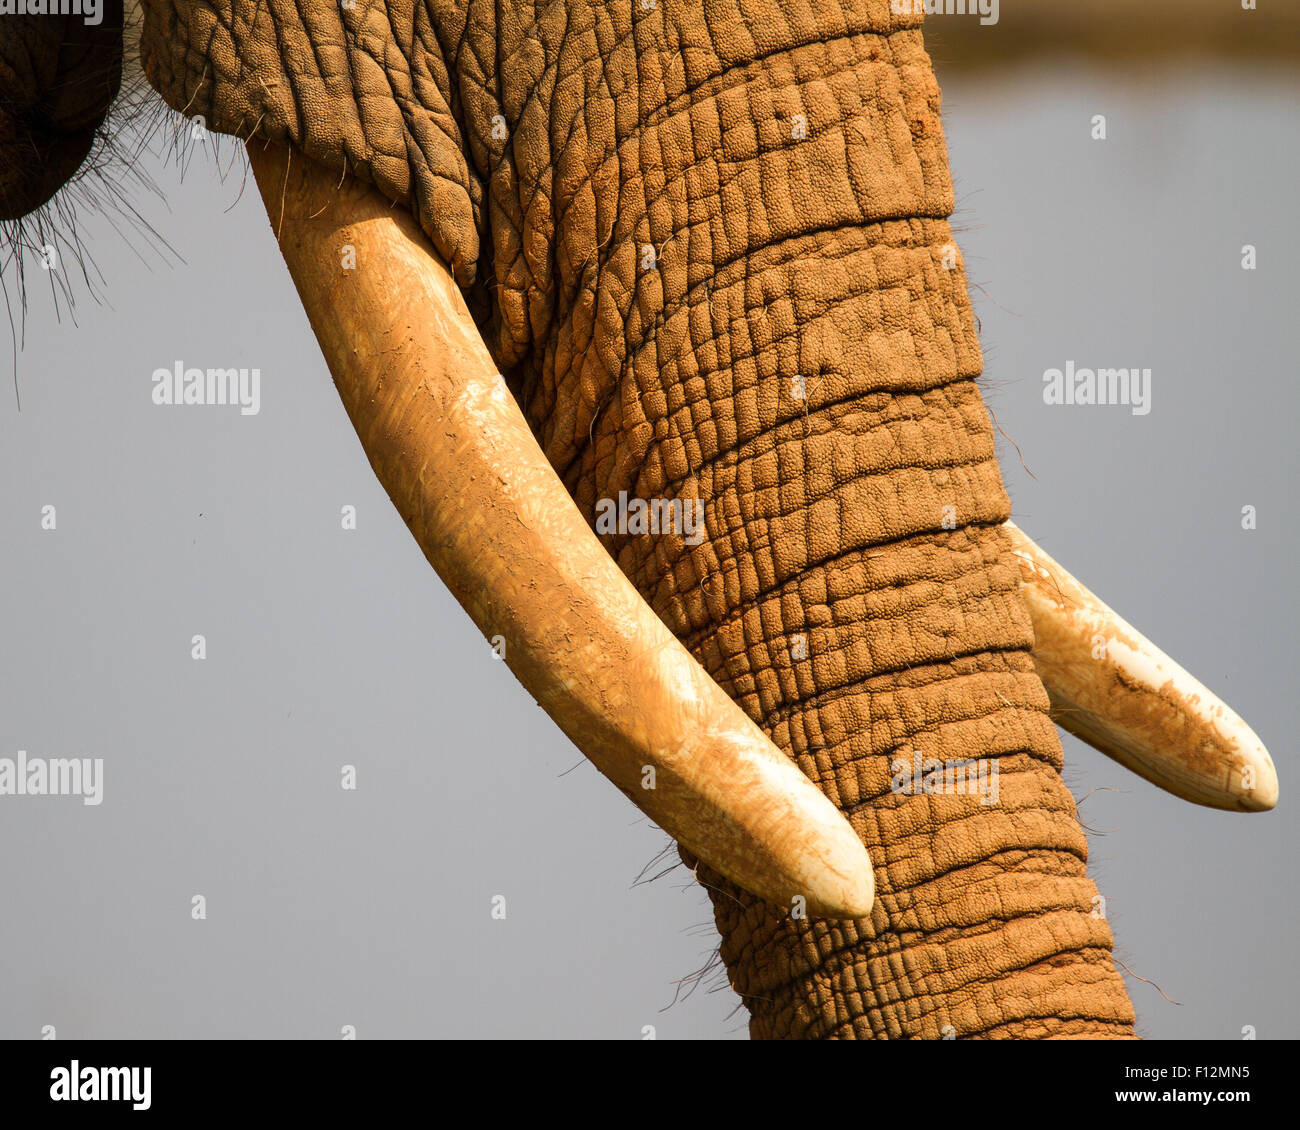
{"type": "Point", "coordinates": [1134, 703]}
{"type": "Point", "coordinates": [452, 449]}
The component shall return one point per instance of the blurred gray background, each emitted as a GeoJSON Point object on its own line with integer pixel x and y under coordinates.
{"type": "Point", "coordinates": [371, 908]}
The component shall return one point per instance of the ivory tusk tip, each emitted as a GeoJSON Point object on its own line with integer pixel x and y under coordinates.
{"type": "Point", "coordinates": [1260, 803]}
{"type": "Point", "coordinates": [774, 833]}
{"type": "Point", "coordinates": [860, 902]}
{"type": "Point", "coordinates": [1114, 689]}
{"type": "Point", "coordinates": [1264, 796]}
{"type": "Point", "coordinates": [852, 893]}
{"type": "Point", "coordinates": [836, 869]}
{"type": "Point", "coordinates": [846, 906]}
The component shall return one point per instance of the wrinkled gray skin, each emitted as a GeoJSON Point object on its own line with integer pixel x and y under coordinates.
{"type": "Point", "coordinates": [708, 245]}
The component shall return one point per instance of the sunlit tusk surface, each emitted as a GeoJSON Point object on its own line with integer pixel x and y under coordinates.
{"type": "Point", "coordinates": [453, 450]}
{"type": "Point", "coordinates": [1112, 687]}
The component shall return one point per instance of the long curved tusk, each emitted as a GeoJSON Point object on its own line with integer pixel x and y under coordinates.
{"type": "Point", "coordinates": [1113, 688]}
{"type": "Point", "coordinates": [453, 450]}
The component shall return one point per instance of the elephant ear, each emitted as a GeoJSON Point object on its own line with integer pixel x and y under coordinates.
{"type": "Point", "coordinates": [362, 89]}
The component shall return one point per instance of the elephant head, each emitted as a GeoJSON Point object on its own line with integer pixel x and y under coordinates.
{"type": "Point", "coordinates": [666, 357]}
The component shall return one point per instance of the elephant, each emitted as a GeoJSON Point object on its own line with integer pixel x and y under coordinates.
{"type": "Point", "coordinates": [652, 322]}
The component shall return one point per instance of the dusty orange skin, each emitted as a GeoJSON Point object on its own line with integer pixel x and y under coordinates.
{"type": "Point", "coordinates": [452, 449]}
{"type": "Point", "coordinates": [1114, 689]}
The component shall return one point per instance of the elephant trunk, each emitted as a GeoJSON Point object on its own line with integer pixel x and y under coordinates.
{"type": "Point", "coordinates": [758, 382]}
{"type": "Point", "coordinates": [918, 712]}
{"type": "Point", "coordinates": [888, 655]}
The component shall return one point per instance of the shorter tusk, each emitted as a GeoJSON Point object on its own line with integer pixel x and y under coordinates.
{"type": "Point", "coordinates": [1113, 688]}
{"type": "Point", "coordinates": [451, 447]}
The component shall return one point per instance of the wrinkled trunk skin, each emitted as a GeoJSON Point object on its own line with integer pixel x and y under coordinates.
{"type": "Point", "coordinates": [786, 164]}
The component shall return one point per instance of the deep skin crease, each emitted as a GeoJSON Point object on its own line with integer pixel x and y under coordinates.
{"type": "Point", "coordinates": [661, 217]}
